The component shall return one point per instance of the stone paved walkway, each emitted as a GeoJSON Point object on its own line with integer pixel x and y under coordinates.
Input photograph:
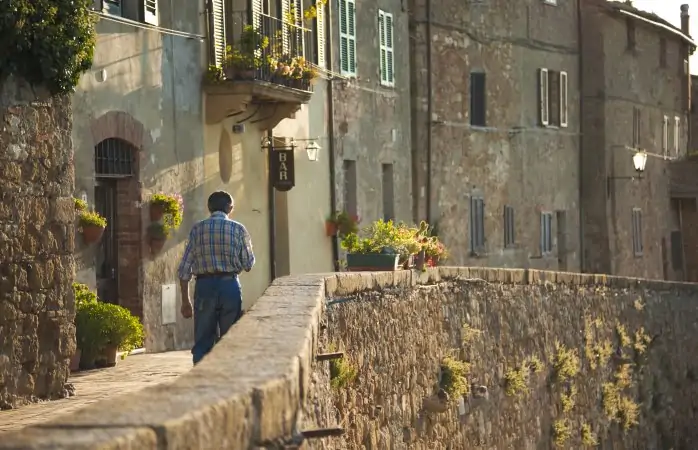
{"type": "Point", "coordinates": [131, 374]}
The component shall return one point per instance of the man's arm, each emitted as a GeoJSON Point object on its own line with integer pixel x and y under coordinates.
{"type": "Point", "coordinates": [185, 266]}
{"type": "Point", "coordinates": [246, 252]}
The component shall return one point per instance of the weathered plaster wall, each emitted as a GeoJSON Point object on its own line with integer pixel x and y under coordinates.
{"type": "Point", "coordinates": [498, 321]}
{"type": "Point", "coordinates": [513, 160]}
{"type": "Point", "coordinates": [362, 104]}
{"type": "Point", "coordinates": [152, 81]}
{"type": "Point", "coordinates": [37, 335]}
{"type": "Point", "coordinates": [617, 79]}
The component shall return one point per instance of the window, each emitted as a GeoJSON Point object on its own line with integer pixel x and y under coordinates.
{"type": "Point", "coordinates": [552, 89]}
{"type": "Point", "coordinates": [350, 187]}
{"type": "Point", "coordinates": [145, 11]}
{"type": "Point", "coordinates": [347, 37]}
{"type": "Point", "coordinates": [630, 30]}
{"type": "Point", "coordinates": [509, 236]}
{"type": "Point", "coordinates": [676, 250]}
{"type": "Point", "coordinates": [387, 55]}
{"type": "Point", "coordinates": [477, 224]}
{"type": "Point", "coordinates": [543, 96]}
{"type": "Point", "coordinates": [637, 123]}
{"type": "Point", "coordinates": [546, 233]}
{"type": "Point", "coordinates": [677, 135]}
{"type": "Point", "coordinates": [550, 2]}
{"type": "Point", "coordinates": [388, 193]}
{"type": "Point", "coordinates": [662, 52]}
{"type": "Point", "coordinates": [563, 100]}
{"type": "Point", "coordinates": [665, 136]}
{"type": "Point", "coordinates": [320, 34]}
{"type": "Point", "coordinates": [637, 232]}
{"type": "Point", "coordinates": [478, 99]}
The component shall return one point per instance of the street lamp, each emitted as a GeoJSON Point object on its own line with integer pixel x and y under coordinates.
{"type": "Point", "coordinates": [639, 163]}
{"type": "Point", "coordinates": [313, 149]}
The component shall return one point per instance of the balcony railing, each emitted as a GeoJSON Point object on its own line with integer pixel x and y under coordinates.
{"type": "Point", "coordinates": [268, 49]}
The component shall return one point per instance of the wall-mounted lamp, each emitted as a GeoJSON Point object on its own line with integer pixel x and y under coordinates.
{"type": "Point", "coordinates": [639, 163]}
{"type": "Point", "coordinates": [313, 150]}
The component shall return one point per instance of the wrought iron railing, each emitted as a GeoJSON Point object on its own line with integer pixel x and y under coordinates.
{"type": "Point", "coordinates": [270, 49]}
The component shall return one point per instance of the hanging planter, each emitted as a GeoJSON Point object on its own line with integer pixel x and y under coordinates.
{"type": "Point", "coordinates": [330, 228]}
{"type": "Point", "coordinates": [157, 235]}
{"type": "Point", "coordinates": [168, 209]}
{"type": "Point", "coordinates": [92, 225]}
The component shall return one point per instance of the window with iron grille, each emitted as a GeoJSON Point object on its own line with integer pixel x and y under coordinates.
{"type": "Point", "coordinates": [114, 158]}
{"type": "Point", "coordinates": [637, 232]}
{"type": "Point", "coordinates": [509, 235]}
{"type": "Point", "coordinates": [546, 233]}
{"type": "Point", "coordinates": [477, 224]}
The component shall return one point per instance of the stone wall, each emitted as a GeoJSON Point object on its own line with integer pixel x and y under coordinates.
{"type": "Point", "coordinates": [37, 335]}
{"type": "Point", "coordinates": [517, 331]}
{"type": "Point", "coordinates": [395, 328]}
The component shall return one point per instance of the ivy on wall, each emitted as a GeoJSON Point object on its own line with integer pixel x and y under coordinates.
{"type": "Point", "coordinates": [46, 42]}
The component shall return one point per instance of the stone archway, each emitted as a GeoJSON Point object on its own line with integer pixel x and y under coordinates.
{"type": "Point", "coordinates": [123, 190]}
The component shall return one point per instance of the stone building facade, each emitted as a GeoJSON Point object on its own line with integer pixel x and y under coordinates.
{"type": "Point", "coordinates": [37, 237]}
{"type": "Point", "coordinates": [635, 97]}
{"type": "Point", "coordinates": [495, 95]}
{"type": "Point", "coordinates": [370, 119]}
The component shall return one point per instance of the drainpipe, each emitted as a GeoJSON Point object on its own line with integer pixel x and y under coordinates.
{"type": "Point", "coordinates": [580, 84]}
{"type": "Point", "coordinates": [272, 211]}
{"type": "Point", "coordinates": [331, 149]}
{"type": "Point", "coordinates": [685, 29]}
{"type": "Point", "coordinates": [429, 113]}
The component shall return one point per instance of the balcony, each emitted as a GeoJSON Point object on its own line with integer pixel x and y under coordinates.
{"type": "Point", "coordinates": [263, 76]}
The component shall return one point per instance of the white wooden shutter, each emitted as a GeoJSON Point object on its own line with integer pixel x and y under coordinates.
{"type": "Point", "coordinates": [543, 94]}
{"type": "Point", "coordinates": [286, 26]}
{"type": "Point", "coordinates": [150, 12]}
{"type": "Point", "coordinates": [677, 135]}
{"type": "Point", "coordinates": [218, 33]}
{"type": "Point", "coordinates": [385, 36]}
{"type": "Point", "coordinates": [390, 51]}
{"type": "Point", "coordinates": [298, 32]}
{"type": "Point", "coordinates": [256, 8]}
{"type": "Point", "coordinates": [320, 25]}
{"type": "Point", "coordinates": [563, 100]}
{"type": "Point", "coordinates": [665, 135]}
{"type": "Point", "coordinates": [347, 37]}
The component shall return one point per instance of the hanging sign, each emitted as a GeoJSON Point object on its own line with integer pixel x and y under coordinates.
{"type": "Point", "coordinates": [282, 169]}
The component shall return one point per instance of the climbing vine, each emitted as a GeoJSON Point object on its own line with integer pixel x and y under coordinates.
{"type": "Point", "coordinates": [46, 42]}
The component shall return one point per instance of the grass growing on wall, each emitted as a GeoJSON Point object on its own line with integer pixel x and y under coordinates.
{"type": "Point", "coordinates": [342, 371]}
{"type": "Point", "coordinates": [454, 377]}
{"type": "Point", "coordinates": [565, 363]}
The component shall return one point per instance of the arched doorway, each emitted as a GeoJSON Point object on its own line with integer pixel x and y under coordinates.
{"type": "Point", "coordinates": [115, 199]}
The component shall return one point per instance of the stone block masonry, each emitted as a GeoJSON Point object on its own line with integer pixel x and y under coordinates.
{"type": "Point", "coordinates": [553, 358]}
{"type": "Point", "coordinates": [37, 335]}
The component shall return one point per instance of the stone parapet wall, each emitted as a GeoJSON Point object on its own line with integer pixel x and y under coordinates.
{"type": "Point", "coordinates": [261, 384]}
{"type": "Point", "coordinates": [37, 335]}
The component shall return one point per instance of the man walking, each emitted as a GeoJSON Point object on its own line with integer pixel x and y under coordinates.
{"type": "Point", "coordinates": [218, 250]}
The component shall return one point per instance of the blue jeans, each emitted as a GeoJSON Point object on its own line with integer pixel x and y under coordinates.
{"type": "Point", "coordinates": [217, 306]}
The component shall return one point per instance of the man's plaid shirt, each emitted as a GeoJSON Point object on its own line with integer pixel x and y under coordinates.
{"type": "Point", "coordinates": [216, 244]}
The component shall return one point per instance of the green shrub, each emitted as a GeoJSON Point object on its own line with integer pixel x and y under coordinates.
{"type": "Point", "coordinates": [91, 218]}
{"type": "Point", "coordinates": [100, 324]}
{"type": "Point", "coordinates": [454, 377]}
{"type": "Point", "coordinates": [80, 205]}
{"type": "Point", "coordinates": [47, 42]}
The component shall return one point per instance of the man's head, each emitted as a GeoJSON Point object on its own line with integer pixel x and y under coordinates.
{"type": "Point", "coordinates": [220, 201]}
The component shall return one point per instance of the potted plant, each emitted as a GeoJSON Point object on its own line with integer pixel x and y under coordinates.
{"type": "Point", "coordinates": [331, 224]}
{"type": "Point", "coordinates": [158, 233]}
{"type": "Point", "coordinates": [92, 225]}
{"type": "Point", "coordinates": [167, 208]}
{"type": "Point", "coordinates": [347, 223]}
{"type": "Point", "coordinates": [123, 332]}
{"type": "Point", "coordinates": [83, 297]}
{"type": "Point", "coordinates": [309, 75]}
{"type": "Point", "coordinates": [383, 246]}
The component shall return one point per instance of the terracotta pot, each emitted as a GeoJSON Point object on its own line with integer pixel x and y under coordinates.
{"type": "Point", "coordinates": [330, 228]}
{"type": "Point", "coordinates": [156, 245]}
{"type": "Point", "coordinates": [157, 211]}
{"type": "Point", "coordinates": [109, 355]}
{"type": "Point", "coordinates": [92, 233]}
{"type": "Point", "coordinates": [75, 361]}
